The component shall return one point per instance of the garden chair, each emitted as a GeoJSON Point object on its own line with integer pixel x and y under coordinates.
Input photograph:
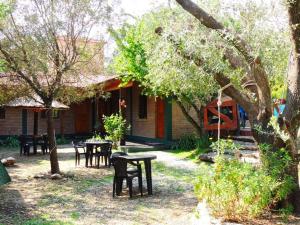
{"type": "Point", "coordinates": [105, 152]}
{"type": "Point", "coordinates": [121, 173]}
{"type": "Point", "coordinates": [130, 169]}
{"type": "Point", "coordinates": [77, 147]}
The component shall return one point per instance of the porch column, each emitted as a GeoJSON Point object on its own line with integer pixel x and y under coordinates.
{"type": "Point", "coordinates": [95, 113]}
{"type": "Point", "coordinates": [35, 123]}
{"type": "Point", "coordinates": [24, 121]}
{"type": "Point", "coordinates": [122, 112]}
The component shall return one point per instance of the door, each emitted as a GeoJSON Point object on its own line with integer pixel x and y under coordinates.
{"type": "Point", "coordinates": [160, 118]}
{"type": "Point", "coordinates": [82, 117]}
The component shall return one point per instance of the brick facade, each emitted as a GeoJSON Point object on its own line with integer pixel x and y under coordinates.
{"type": "Point", "coordinates": [143, 127]}
{"type": "Point", "coordinates": [12, 124]}
{"type": "Point", "coordinates": [180, 125]}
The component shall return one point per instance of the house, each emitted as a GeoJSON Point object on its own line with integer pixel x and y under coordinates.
{"type": "Point", "coordinates": [150, 118]}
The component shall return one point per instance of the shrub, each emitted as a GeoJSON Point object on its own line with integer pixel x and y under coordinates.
{"type": "Point", "coordinates": [191, 142]}
{"type": "Point", "coordinates": [115, 127]}
{"type": "Point", "coordinates": [62, 141]}
{"type": "Point", "coordinates": [203, 142]}
{"type": "Point", "coordinates": [187, 142]}
{"type": "Point", "coordinates": [225, 146]}
{"type": "Point", "coordinates": [235, 190]}
{"type": "Point", "coordinates": [238, 191]}
{"type": "Point", "coordinates": [11, 142]}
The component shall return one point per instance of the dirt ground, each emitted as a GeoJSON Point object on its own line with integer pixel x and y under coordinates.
{"type": "Point", "coordinates": [85, 197]}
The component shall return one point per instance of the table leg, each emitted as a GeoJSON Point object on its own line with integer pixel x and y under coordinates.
{"type": "Point", "coordinates": [91, 155]}
{"type": "Point", "coordinates": [148, 175]}
{"type": "Point", "coordinates": [35, 148]}
{"type": "Point", "coordinates": [87, 155]}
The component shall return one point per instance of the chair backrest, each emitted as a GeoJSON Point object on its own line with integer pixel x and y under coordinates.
{"type": "Point", "coordinates": [120, 165]}
{"type": "Point", "coordinates": [23, 139]}
{"type": "Point", "coordinates": [77, 145]}
{"type": "Point", "coordinates": [45, 138]}
{"type": "Point", "coordinates": [105, 147]}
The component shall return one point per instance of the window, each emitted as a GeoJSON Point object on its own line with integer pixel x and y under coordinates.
{"type": "Point", "coordinates": [2, 113]}
{"type": "Point", "coordinates": [143, 107]}
{"type": "Point", "coordinates": [55, 114]}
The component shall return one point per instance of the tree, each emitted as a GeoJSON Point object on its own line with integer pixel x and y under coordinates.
{"type": "Point", "coordinates": [256, 101]}
{"type": "Point", "coordinates": [44, 46]}
{"type": "Point", "coordinates": [141, 57]}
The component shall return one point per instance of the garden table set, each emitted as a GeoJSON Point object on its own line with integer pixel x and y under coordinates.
{"type": "Point", "coordinates": [28, 141]}
{"type": "Point", "coordinates": [96, 149]}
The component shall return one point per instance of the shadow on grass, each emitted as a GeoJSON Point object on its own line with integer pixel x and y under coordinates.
{"type": "Point", "coordinates": [12, 206]}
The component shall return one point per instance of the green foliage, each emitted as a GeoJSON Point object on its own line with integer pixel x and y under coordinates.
{"type": "Point", "coordinates": [97, 137]}
{"type": "Point", "coordinates": [203, 142]}
{"type": "Point", "coordinates": [40, 221]}
{"type": "Point", "coordinates": [131, 61]}
{"type": "Point", "coordinates": [238, 191]}
{"type": "Point", "coordinates": [191, 142]}
{"type": "Point", "coordinates": [186, 142]}
{"type": "Point", "coordinates": [235, 190]}
{"type": "Point", "coordinates": [11, 142]}
{"type": "Point", "coordinates": [62, 141]}
{"type": "Point", "coordinates": [225, 145]}
{"type": "Point", "coordinates": [276, 164]}
{"type": "Point", "coordinates": [115, 126]}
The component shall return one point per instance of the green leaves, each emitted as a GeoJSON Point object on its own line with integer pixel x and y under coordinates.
{"type": "Point", "coordinates": [115, 126]}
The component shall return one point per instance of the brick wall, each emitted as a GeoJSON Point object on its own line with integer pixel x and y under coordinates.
{"type": "Point", "coordinates": [143, 127]}
{"type": "Point", "coordinates": [180, 125]}
{"type": "Point", "coordinates": [67, 117]}
{"type": "Point", "coordinates": [12, 124]}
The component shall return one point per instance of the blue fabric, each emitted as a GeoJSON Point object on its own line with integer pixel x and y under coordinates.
{"type": "Point", "coordinates": [281, 108]}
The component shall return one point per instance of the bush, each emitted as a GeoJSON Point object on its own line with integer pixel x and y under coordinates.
{"type": "Point", "coordinates": [187, 142]}
{"type": "Point", "coordinates": [238, 191]}
{"type": "Point", "coordinates": [191, 141]}
{"type": "Point", "coordinates": [11, 142]}
{"type": "Point", "coordinates": [203, 142]}
{"type": "Point", "coordinates": [115, 127]}
{"type": "Point", "coordinates": [225, 146]}
{"type": "Point", "coordinates": [62, 141]}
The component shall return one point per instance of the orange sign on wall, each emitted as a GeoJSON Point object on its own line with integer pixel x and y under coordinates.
{"type": "Point", "coordinates": [228, 116]}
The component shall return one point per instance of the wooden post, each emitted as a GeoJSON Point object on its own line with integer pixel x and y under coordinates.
{"type": "Point", "coordinates": [35, 123]}
{"type": "Point", "coordinates": [122, 113]}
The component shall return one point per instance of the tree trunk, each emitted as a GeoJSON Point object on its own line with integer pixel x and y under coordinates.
{"type": "Point", "coordinates": [52, 143]}
{"type": "Point", "coordinates": [189, 118]}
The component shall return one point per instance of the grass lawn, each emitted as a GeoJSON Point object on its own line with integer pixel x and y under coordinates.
{"type": "Point", "coordinates": [192, 155]}
{"type": "Point", "coordinates": [85, 197]}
